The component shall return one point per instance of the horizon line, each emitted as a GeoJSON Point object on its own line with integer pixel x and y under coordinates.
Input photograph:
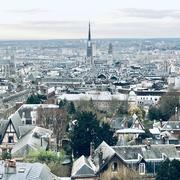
{"type": "Point", "coordinates": [49, 39]}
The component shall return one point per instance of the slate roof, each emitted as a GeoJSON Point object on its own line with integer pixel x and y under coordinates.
{"type": "Point", "coordinates": [3, 127]}
{"type": "Point", "coordinates": [172, 125]}
{"type": "Point", "coordinates": [31, 141]}
{"type": "Point", "coordinates": [107, 154]}
{"type": "Point", "coordinates": [23, 130]}
{"type": "Point", "coordinates": [26, 109]}
{"type": "Point", "coordinates": [16, 121]}
{"type": "Point", "coordinates": [155, 152]}
{"type": "Point", "coordinates": [152, 152]}
{"type": "Point", "coordinates": [32, 171]}
{"type": "Point", "coordinates": [121, 122]}
{"type": "Point", "coordinates": [82, 168]}
{"type": "Point", "coordinates": [127, 154]}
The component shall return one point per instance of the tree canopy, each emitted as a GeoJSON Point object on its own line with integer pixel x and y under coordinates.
{"type": "Point", "coordinates": [87, 130]}
{"type": "Point", "coordinates": [166, 108]}
{"type": "Point", "coordinates": [154, 113]}
{"type": "Point", "coordinates": [71, 108]}
{"type": "Point", "coordinates": [36, 99]}
{"type": "Point", "coordinates": [169, 170]}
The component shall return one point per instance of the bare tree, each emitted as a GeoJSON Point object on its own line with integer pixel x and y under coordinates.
{"type": "Point", "coordinates": [55, 119]}
{"type": "Point", "coordinates": [59, 125]}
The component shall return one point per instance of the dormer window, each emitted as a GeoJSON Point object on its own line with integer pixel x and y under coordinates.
{"type": "Point", "coordinates": [114, 166]}
{"type": "Point", "coordinates": [142, 168]}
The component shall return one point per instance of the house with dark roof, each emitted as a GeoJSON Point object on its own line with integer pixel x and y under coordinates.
{"type": "Point", "coordinates": [111, 162]}
{"type": "Point", "coordinates": [34, 140]}
{"type": "Point", "coordinates": [83, 168]}
{"type": "Point", "coordinates": [19, 138]}
{"type": "Point", "coordinates": [172, 127]}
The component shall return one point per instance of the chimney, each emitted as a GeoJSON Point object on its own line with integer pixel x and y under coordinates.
{"type": "Point", "coordinates": [161, 124]}
{"type": "Point", "coordinates": [148, 145]}
{"type": "Point", "coordinates": [33, 116]}
{"type": "Point", "coordinates": [91, 149]}
{"type": "Point", "coordinates": [100, 154]}
{"type": "Point", "coordinates": [10, 166]}
{"type": "Point", "coordinates": [41, 141]}
{"type": "Point", "coordinates": [23, 118]}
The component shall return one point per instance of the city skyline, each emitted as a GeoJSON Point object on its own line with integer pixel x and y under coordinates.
{"type": "Point", "coordinates": [45, 19]}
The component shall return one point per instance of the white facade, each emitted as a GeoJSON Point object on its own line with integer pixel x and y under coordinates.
{"type": "Point", "coordinates": [148, 100]}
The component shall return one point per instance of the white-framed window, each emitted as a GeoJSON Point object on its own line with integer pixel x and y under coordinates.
{"type": "Point", "coordinates": [142, 168]}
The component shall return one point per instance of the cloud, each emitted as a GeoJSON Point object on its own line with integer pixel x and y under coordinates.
{"type": "Point", "coordinates": [45, 29]}
{"type": "Point", "coordinates": [78, 29]}
{"type": "Point", "coordinates": [67, 27]}
{"type": "Point", "coordinates": [26, 11]}
{"type": "Point", "coordinates": [147, 13]}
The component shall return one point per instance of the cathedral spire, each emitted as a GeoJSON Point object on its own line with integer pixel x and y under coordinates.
{"type": "Point", "coordinates": [89, 33]}
{"type": "Point", "coordinates": [89, 43]}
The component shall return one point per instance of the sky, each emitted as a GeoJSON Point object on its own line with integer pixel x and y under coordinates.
{"type": "Point", "coordinates": [68, 19]}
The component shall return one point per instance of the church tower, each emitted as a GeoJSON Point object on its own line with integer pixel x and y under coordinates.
{"type": "Point", "coordinates": [89, 44]}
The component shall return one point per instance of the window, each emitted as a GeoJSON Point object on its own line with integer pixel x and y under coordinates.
{"type": "Point", "coordinates": [142, 168]}
{"type": "Point", "coordinates": [114, 166]}
{"type": "Point", "coordinates": [10, 139]}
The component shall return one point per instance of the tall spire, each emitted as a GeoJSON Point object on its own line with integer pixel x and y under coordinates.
{"type": "Point", "coordinates": [89, 34]}
{"type": "Point", "coordinates": [89, 43]}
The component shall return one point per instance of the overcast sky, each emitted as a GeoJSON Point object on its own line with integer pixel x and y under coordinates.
{"type": "Point", "coordinates": [57, 19]}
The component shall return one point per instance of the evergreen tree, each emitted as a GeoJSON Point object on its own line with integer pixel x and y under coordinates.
{"type": "Point", "coordinates": [88, 130]}
{"type": "Point", "coordinates": [169, 170]}
{"type": "Point", "coordinates": [163, 173]}
{"type": "Point", "coordinates": [71, 108]}
{"type": "Point", "coordinates": [154, 113]}
{"type": "Point", "coordinates": [36, 99]}
{"type": "Point", "coordinates": [62, 104]}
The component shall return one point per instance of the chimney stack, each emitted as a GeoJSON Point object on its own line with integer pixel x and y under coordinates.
{"type": "Point", "coordinates": [10, 166]}
{"type": "Point", "coordinates": [100, 154]}
{"type": "Point", "coordinates": [91, 149]}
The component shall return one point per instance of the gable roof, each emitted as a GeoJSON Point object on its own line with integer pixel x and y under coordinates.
{"type": "Point", "coordinates": [107, 154]}
{"type": "Point", "coordinates": [32, 171]}
{"type": "Point", "coordinates": [82, 168]}
{"type": "Point", "coordinates": [16, 121]}
{"type": "Point", "coordinates": [23, 130]}
{"type": "Point", "coordinates": [136, 122]}
{"type": "Point", "coordinates": [3, 126]}
{"type": "Point", "coordinates": [31, 141]}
